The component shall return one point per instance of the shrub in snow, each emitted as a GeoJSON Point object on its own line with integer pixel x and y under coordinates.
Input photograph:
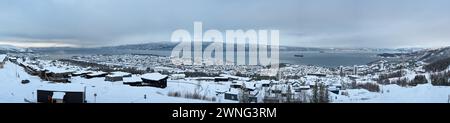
{"type": "Point", "coordinates": [174, 94]}
{"type": "Point", "coordinates": [440, 79]}
{"type": "Point", "coordinates": [372, 87]}
{"type": "Point", "coordinates": [438, 65]}
{"type": "Point", "coordinates": [319, 94]}
{"type": "Point", "coordinates": [418, 79]}
{"type": "Point", "coordinates": [399, 73]}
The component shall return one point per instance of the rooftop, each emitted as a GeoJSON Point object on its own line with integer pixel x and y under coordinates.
{"type": "Point", "coordinates": [153, 76]}
{"type": "Point", "coordinates": [62, 87]}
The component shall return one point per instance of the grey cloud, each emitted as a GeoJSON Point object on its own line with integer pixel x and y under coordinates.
{"type": "Point", "coordinates": [316, 23]}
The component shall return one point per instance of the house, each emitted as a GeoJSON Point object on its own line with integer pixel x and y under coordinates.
{"type": "Point", "coordinates": [265, 83]}
{"type": "Point", "coordinates": [231, 77]}
{"type": "Point", "coordinates": [337, 85]}
{"type": "Point", "coordinates": [232, 94]}
{"type": "Point", "coordinates": [155, 80]}
{"type": "Point", "coordinates": [317, 74]}
{"type": "Point", "coordinates": [333, 90]}
{"type": "Point", "coordinates": [58, 97]}
{"type": "Point", "coordinates": [220, 91]}
{"type": "Point", "coordinates": [301, 88]}
{"type": "Point", "coordinates": [353, 77]}
{"type": "Point", "coordinates": [81, 73]}
{"type": "Point", "coordinates": [221, 79]}
{"type": "Point", "coordinates": [236, 84]}
{"type": "Point", "coordinates": [61, 93]}
{"type": "Point", "coordinates": [55, 74]}
{"type": "Point", "coordinates": [177, 76]}
{"type": "Point", "coordinates": [2, 60]}
{"type": "Point", "coordinates": [13, 59]}
{"type": "Point", "coordinates": [204, 79]}
{"type": "Point", "coordinates": [116, 76]}
{"type": "Point", "coordinates": [249, 86]}
{"type": "Point", "coordinates": [113, 78]}
{"type": "Point", "coordinates": [253, 99]}
{"type": "Point", "coordinates": [96, 74]}
{"type": "Point", "coordinates": [277, 89]}
{"type": "Point", "coordinates": [132, 81]}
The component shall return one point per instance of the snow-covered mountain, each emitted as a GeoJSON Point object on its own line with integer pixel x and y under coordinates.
{"type": "Point", "coordinates": [10, 48]}
{"type": "Point", "coordinates": [425, 55]}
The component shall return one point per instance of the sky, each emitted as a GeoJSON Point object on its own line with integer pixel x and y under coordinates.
{"type": "Point", "coordinates": [304, 23]}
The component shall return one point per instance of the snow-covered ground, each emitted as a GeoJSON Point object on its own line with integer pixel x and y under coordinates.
{"type": "Point", "coordinates": [13, 91]}
{"type": "Point", "coordinates": [425, 93]}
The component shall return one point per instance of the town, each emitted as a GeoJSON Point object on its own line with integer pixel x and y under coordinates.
{"type": "Point", "coordinates": [144, 78]}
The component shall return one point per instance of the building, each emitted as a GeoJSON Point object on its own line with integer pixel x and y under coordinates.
{"type": "Point", "coordinates": [333, 90]}
{"type": "Point", "coordinates": [249, 86]}
{"type": "Point", "coordinates": [117, 76]}
{"type": "Point", "coordinates": [265, 83]}
{"type": "Point", "coordinates": [221, 79]}
{"type": "Point", "coordinates": [301, 88]}
{"type": "Point", "coordinates": [61, 93]}
{"type": "Point", "coordinates": [232, 94]}
{"type": "Point", "coordinates": [81, 73]}
{"type": "Point", "coordinates": [132, 81]}
{"type": "Point", "coordinates": [155, 80]}
{"type": "Point", "coordinates": [96, 74]}
{"type": "Point", "coordinates": [56, 76]}
{"type": "Point", "coordinates": [317, 74]}
{"type": "Point", "coordinates": [236, 84]}
{"type": "Point", "coordinates": [177, 76]}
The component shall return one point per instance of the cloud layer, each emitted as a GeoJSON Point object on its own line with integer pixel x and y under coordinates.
{"type": "Point", "coordinates": [311, 23]}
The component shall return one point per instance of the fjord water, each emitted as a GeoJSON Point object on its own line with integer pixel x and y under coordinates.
{"type": "Point", "coordinates": [326, 59]}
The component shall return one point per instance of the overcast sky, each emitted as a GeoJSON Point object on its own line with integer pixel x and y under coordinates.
{"type": "Point", "coordinates": [307, 23]}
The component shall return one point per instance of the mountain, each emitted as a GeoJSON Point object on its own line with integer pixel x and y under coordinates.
{"type": "Point", "coordinates": [171, 45]}
{"type": "Point", "coordinates": [167, 46]}
{"type": "Point", "coordinates": [145, 46]}
{"type": "Point", "coordinates": [425, 55]}
{"type": "Point", "coordinates": [10, 48]}
{"type": "Point", "coordinates": [432, 55]}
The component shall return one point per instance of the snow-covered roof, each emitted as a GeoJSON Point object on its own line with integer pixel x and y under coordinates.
{"type": "Point", "coordinates": [264, 81]}
{"type": "Point", "coordinates": [235, 77]}
{"type": "Point", "coordinates": [233, 91]}
{"type": "Point", "coordinates": [119, 74]}
{"type": "Point", "coordinates": [58, 95]}
{"type": "Point", "coordinates": [132, 79]}
{"type": "Point", "coordinates": [221, 90]}
{"type": "Point", "coordinates": [178, 75]}
{"type": "Point", "coordinates": [62, 87]}
{"type": "Point", "coordinates": [82, 72]}
{"type": "Point", "coordinates": [2, 57]}
{"type": "Point", "coordinates": [54, 69]}
{"type": "Point", "coordinates": [304, 87]}
{"type": "Point", "coordinates": [153, 76]}
{"type": "Point", "coordinates": [249, 85]}
{"type": "Point", "coordinates": [204, 78]}
{"type": "Point", "coordinates": [97, 73]}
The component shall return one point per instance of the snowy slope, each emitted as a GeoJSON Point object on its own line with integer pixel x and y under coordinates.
{"type": "Point", "coordinates": [425, 93]}
{"type": "Point", "coordinates": [12, 48]}
{"type": "Point", "coordinates": [107, 92]}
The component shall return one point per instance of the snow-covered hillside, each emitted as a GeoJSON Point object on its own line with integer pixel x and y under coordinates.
{"type": "Point", "coordinates": [13, 91]}
{"type": "Point", "coordinates": [425, 93]}
{"type": "Point", "coordinates": [10, 48]}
